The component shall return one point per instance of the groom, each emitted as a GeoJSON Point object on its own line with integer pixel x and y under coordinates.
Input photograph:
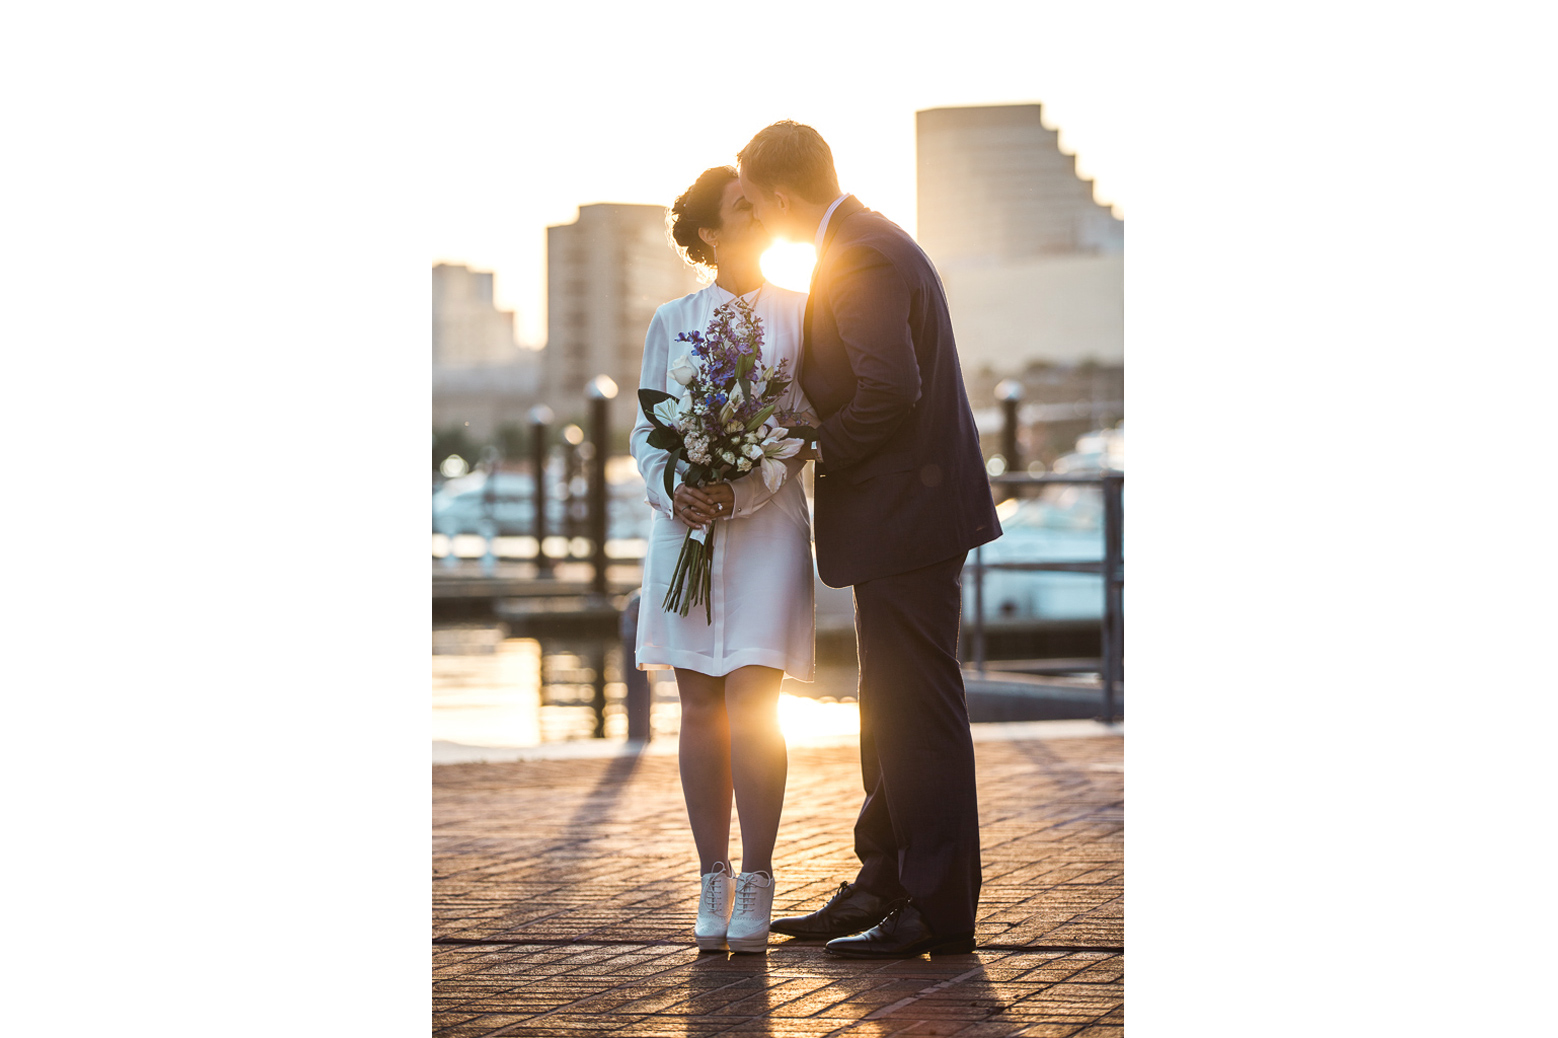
{"type": "Point", "coordinates": [901, 496]}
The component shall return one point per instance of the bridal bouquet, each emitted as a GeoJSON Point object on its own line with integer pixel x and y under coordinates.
{"type": "Point", "coordinates": [722, 426]}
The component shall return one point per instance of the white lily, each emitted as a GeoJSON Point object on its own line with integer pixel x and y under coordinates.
{"type": "Point", "coordinates": [776, 448]}
{"type": "Point", "coordinates": [667, 412]}
{"type": "Point", "coordinates": [728, 412]}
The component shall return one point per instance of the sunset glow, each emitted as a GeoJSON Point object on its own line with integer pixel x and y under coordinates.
{"type": "Point", "coordinates": [788, 264]}
{"type": "Point", "coordinates": [803, 719]}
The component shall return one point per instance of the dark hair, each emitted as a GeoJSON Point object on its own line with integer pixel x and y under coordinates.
{"type": "Point", "coordinates": [791, 155]}
{"type": "Point", "coordinates": [698, 207]}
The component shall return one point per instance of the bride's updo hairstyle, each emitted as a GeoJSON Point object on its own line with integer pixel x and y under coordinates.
{"type": "Point", "coordinates": [698, 207]}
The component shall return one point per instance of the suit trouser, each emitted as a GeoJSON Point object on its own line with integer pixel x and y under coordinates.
{"type": "Point", "coordinates": [918, 831]}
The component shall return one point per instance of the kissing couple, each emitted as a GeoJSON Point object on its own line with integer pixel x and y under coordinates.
{"type": "Point", "coordinates": [864, 369]}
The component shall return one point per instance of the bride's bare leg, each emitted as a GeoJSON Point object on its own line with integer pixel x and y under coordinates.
{"type": "Point", "coordinates": [704, 753]}
{"type": "Point", "coordinates": [758, 761]}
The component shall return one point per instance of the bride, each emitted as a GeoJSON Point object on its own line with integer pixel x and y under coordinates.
{"type": "Point", "coordinates": [728, 671]}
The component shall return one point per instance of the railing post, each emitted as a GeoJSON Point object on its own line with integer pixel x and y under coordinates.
{"type": "Point", "coordinates": [1113, 628]}
{"type": "Point", "coordinates": [540, 417]}
{"type": "Point", "coordinates": [979, 610]}
{"type": "Point", "coordinates": [637, 681]}
{"type": "Point", "coordinates": [600, 392]}
{"type": "Point", "coordinates": [597, 660]}
{"type": "Point", "coordinates": [489, 498]}
{"type": "Point", "coordinates": [1009, 392]}
{"type": "Point", "coordinates": [573, 439]}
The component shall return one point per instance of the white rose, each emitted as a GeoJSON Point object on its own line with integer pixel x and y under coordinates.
{"type": "Point", "coordinates": [684, 369]}
{"type": "Point", "coordinates": [752, 450]}
{"type": "Point", "coordinates": [744, 465]}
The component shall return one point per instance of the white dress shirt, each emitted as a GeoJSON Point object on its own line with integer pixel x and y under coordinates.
{"type": "Point", "coordinates": [822, 228]}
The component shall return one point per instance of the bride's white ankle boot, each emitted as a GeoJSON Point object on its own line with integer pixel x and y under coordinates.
{"type": "Point", "coordinates": [719, 892]}
{"type": "Point", "coordinates": [754, 897]}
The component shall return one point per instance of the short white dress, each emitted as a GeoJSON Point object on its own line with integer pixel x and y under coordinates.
{"type": "Point", "coordinates": [763, 596]}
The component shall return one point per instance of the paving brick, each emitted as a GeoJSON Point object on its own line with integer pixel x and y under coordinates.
{"type": "Point", "coordinates": [581, 877]}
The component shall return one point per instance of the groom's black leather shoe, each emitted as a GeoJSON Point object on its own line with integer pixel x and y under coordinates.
{"type": "Point", "coordinates": [848, 911]}
{"type": "Point", "coordinates": [902, 935]}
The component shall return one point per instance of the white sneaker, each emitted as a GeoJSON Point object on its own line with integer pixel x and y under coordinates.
{"type": "Point", "coordinates": [714, 907]}
{"type": "Point", "coordinates": [748, 929]}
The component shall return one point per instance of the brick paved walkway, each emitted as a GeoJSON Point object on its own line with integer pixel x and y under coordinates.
{"type": "Point", "coordinates": [564, 893]}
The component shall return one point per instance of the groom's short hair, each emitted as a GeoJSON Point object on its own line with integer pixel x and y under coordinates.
{"type": "Point", "coordinates": [791, 155]}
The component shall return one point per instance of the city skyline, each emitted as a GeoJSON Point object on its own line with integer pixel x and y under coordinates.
{"type": "Point", "coordinates": [536, 130]}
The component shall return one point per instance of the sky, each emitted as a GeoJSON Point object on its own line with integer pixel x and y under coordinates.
{"type": "Point", "coordinates": [537, 112]}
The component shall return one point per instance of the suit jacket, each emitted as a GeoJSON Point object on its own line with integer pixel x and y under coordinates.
{"type": "Point", "coordinates": [902, 482]}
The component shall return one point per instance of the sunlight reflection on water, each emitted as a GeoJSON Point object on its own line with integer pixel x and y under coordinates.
{"type": "Point", "coordinates": [803, 719]}
{"type": "Point", "coordinates": [495, 691]}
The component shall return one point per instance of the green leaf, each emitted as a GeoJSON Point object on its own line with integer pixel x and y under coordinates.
{"type": "Point", "coordinates": [759, 418]}
{"type": "Point", "coordinates": [664, 439]}
{"type": "Point", "coordinates": [744, 365]}
{"type": "Point", "coordinates": [648, 399]}
{"type": "Point", "coordinates": [670, 472]}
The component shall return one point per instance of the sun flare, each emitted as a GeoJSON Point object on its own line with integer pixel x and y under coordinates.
{"type": "Point", "coordinates": [788, 264]}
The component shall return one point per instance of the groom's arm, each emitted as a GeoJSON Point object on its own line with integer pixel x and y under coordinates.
{"type": "Point", "coordinates": [870, 303]}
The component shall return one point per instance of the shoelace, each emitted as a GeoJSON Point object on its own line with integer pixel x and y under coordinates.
{"type": "Point", "coordinates": [744, 894]}
{"type": "Point", "coordinates": [710, 902]}
{"type": "Point", "coordinates": [889, 923]}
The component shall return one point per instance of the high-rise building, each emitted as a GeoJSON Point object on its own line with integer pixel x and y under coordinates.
{"type": "Point", "coordinates": [468, 329]}
{"type": "Point", "coordinates": [1033, 266]}
{"type": "Point", "coordinates": [606, 273]}
{"type": "Point", "coordinates": [994, 187]}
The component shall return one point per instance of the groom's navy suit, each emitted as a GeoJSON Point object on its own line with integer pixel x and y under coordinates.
{"type": "Point", "coordinates": [901, 496]}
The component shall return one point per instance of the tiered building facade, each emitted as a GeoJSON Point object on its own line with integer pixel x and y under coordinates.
{"type": "Point", "coordinates": [1033, 266]}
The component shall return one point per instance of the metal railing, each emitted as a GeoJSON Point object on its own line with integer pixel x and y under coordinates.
{"type": "Point", "coordinates": [1111, 567]}
{"type": "Point", "coordinates": [598, 395]}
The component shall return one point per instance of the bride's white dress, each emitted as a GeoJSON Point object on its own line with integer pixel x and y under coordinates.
{"type": "Point", "coordinates": [762, 590]}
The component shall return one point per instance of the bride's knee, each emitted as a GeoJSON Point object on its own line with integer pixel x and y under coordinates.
{"type": "Point", "coordinates": [753, 706]}
{"type": "Point", "coordinates": [700, 693]}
